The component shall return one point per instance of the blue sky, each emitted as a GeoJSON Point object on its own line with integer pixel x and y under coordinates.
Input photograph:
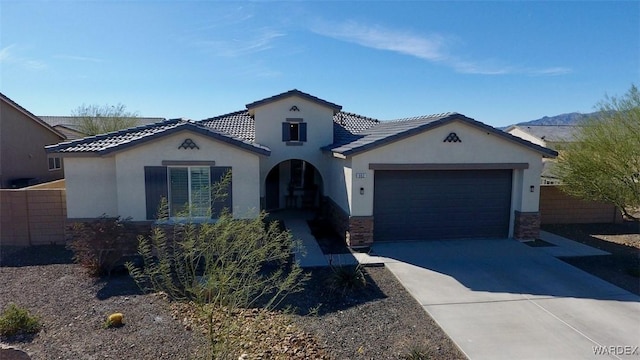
{"type": "Point", "coordinates": [497, 62]}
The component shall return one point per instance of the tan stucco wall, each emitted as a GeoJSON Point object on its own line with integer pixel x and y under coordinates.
{"type": "Point", "coordinates": [91, 187]}
{"type": "Point", "coordinates": [339, 183]}
{"type": "Point", "coordinates": [115, 184]}
{"type": "Point", "coordinates": [269, 119]}
{"type": "Point", "coordinates": [477, 146]}
{"type": "Point", "coordinates": [22, 142]}
{"type": "Point", "coordinates": [130, 171]}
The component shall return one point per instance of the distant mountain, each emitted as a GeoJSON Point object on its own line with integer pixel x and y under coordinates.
{"type": "Point", "coordinates": [562, 119]}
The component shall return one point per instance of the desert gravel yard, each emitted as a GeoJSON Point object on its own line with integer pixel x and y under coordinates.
{"type": "Point", "coordinates": [380, 322]}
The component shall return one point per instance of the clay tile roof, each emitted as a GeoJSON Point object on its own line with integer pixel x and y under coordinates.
{"type": "Point", "coordinates": [385, 132]}
{"type": "Point", "coordinates": [239, 124]}
{"type": "Point", "coordinates": [119, 140]}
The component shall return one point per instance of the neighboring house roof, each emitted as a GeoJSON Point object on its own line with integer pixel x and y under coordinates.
{"type": "Point", "coordinates": [295, 92]}
{"type": "Point", "coordinates": [549, 133]}
{"type": "Point", "coordinates": [390, 131]}
{"type": "Point", "coordinates": [30, 115]}
{"type": "Point", "coordinates": [119, 140]}
{"type": "Point", "coordinates": [69, 133]}
{"type": "Point", "coordinates": [73, 130]}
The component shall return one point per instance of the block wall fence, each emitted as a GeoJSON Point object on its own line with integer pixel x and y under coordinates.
{"type": "Point", "coordinates": [32, 216]}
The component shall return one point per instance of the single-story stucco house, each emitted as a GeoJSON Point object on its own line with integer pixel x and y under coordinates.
{"type": "Point", "coordinates": [429, 177]}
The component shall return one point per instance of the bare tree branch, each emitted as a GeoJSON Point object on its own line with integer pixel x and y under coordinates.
{"type": "Point", "coordinates": [100, 119]}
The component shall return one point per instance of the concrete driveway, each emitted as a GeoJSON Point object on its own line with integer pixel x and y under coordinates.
{"type": "Point", "coordinates": [500, 299]}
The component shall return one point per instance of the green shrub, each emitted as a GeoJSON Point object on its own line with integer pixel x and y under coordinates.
{"type": "Point", "coordinates": [415, 354]}
{"type": "Point", "coordinates": [16, 320]}
{"type": "Point", "coordinates": [346, 279]}
{"type": "Point", "coordinates": [97, 245]}
{"type": "Point", "coordinates": [220, 266]}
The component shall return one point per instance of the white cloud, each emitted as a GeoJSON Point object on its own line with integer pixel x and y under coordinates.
{"type": "Point", "coordinates": [5, 53]}
{"type": "Point", "coordinates": [551, 71]}
{"type": "Point", "coordinates": [241, 44]}
{"type": "Point", "coordinates": [424, 47]}
{"type": "Point", "coordinates": [8, 56]}
{"type": "Point", "coordinates": [78, 58]}
{"type": "Point", "coordinates": [431, 47]}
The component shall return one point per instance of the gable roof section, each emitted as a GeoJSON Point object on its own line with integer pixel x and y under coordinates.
{"type": "Point", "coordinates": [387, 132]}
{"type": "Point", "coordinates": [30, 115]}
{"type": "Point", "coordinates": [552, 133]}
{"type": "Point", "coordinates": [119, 140]}
{"type": "Point", "coordinates": [295, 92]}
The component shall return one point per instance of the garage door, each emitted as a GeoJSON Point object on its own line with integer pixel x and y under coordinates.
{"type": "Point", "coordinates": [416, 205]}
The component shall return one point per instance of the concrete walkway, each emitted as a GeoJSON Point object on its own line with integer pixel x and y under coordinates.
{"type": "Point", "coordinates": [567, 248]}
{"type": "Point", "coordinates": [311, 254]}
{"type": "Point", "coordinates": [501, 299]}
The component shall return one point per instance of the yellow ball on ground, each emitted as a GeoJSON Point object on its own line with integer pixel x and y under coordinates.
{"type": "Point", "coordinates": [115, 319]}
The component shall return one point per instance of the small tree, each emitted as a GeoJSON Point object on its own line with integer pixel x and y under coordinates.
{"type": "Point", "coordinates": [100, 119]}
{"type": "Point", "coordinates": [604, 163]}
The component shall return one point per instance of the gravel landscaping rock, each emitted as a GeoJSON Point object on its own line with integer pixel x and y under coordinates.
{"type": "Point", "coordinates": [381, 321]}
{"type": "Point", "coordinates": [73, 309]}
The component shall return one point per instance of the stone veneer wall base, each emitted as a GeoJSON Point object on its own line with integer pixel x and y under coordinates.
{"type": "Point", "coordinates": [526, 225]}
{"type": "Point", "coordinates": [357, 231]}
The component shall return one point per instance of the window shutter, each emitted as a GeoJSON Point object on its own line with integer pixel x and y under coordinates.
{"type": "Point", "coordinates": [285, 132]}
{"type": "Point", "coordinates": [217, 173]}
{"type": "Point", "coordinates": [155, 187]}
{"type": "Point", "coordinates": [303, 131]}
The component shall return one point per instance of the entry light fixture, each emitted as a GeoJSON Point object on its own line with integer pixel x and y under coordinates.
{"type": "Point", "coordinates": [361, 191]}
{"type": "Point", "coordinates": [532, 188]}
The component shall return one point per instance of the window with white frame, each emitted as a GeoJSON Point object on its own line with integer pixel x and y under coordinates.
{"type": "Point", "coordinates": [189, 191]}
{"type": "Point", "coordinates": [55, 163]}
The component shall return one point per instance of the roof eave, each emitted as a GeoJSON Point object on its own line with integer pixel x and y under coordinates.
{"type": "Point", "coordinates": [545, 152]}
{"type": "Point", "coordinates": [260, 150]}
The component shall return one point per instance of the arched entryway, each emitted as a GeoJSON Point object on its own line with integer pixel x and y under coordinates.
{"type": "Point", "coordinates": [293, 184]}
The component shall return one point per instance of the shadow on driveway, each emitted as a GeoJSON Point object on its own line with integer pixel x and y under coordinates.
{"type": "Point", "coordinates": [495, 268]}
